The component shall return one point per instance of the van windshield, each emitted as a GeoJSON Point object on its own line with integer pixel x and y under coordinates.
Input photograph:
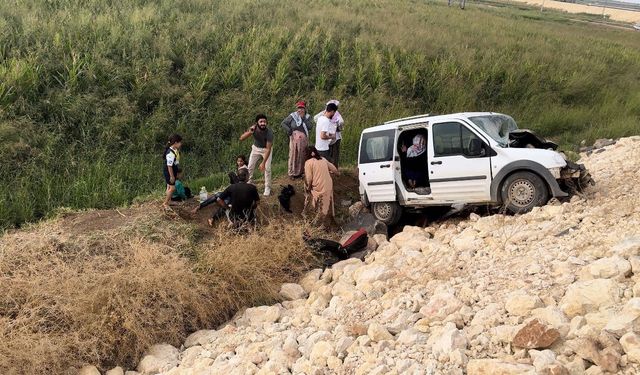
{"type": "Point", "coordinates": [497, 127]}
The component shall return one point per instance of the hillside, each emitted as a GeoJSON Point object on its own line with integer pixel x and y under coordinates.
{"type": "Point", "coordinates": [553, 291]}
{"type": "Point", "coordinates": [91, 89]}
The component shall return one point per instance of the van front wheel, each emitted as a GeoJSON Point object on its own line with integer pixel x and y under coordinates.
{"type": "Point", "coordinates": [387, 212]}
{"type": "Point", "coordinates": [522, 191]}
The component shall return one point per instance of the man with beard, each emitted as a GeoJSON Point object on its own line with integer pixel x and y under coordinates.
{"type": "Point", "coordinates": [260, 150]}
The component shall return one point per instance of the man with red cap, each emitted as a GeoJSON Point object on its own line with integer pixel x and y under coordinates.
{"type": "Point", "coordinates": [297, 126]}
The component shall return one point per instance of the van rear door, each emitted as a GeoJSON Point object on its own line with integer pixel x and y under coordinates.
{"type": "Point", "coordinates": [376, 165]}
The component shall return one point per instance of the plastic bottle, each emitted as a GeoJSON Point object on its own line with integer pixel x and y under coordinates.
{"type": "Point", "coordinates": [203, 194]}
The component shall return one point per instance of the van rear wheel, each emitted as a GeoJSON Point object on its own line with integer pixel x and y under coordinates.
{"type": "Point", "coordinates": [387, 212]}
{"type": "Point", "coordinates": [522, 191]}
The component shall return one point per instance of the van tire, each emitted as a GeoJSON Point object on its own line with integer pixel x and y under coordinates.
{"type": "Point", "coordinates": [387, 212]}
{"type": "Point", "coordinates": [522, 191]}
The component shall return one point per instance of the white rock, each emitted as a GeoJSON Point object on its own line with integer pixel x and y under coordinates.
{"type": "Point", "coordinates": [320, 352]}
{"type": "Point", "coordinates": [631, 344]}
{"type": "Point", "coordinates": [343, 344]}
{"type": "Point", "coordinates": [627, 320]}
{"type": "Point", "coordinates": [498, 367]}
{"type": "Point", "coordinates": [613, 267]}
{"type": "Point", "coordinates": [449, 340]}
{"type": "Point", "coordinates": [89, 370]}
{"type": "Point", "coordinates": [263, 314]}
{"type": "Point", "coordinates": [488, 317]}
{"type": "Point", "coordinates": [542, 358]}
{"type": "Point", "coordinates": [628, 247]}
{"type": "Point", "coordinates": [201, 337]}
{"type": "Point", "coordinates": [589, 295]}
{"type": "Point", "coordinates": [158, 358]}
{"type": "Point", "coordinates": [411, 336]}
{"type": "Point", "coordinates": [520, 303]}
{"type": "Point", "coordinates": [378, 333]}
{"type": "Point", "coordinates": [554, 317]}
{"type": "Point", "coordinates": [371, 273]}
{"type": "Point", "coordinates": [310, 279]}
{"type": "Point", "coordinates": [292, 291]}
{"type": "Point", "coordinates": [439, 306]}
{"type": "Point", "coordinates": [115, 371]}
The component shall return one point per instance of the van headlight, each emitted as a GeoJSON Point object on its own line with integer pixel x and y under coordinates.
{"type": "Point", "coordinates": [555, 172]}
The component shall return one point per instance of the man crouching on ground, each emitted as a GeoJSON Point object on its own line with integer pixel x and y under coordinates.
{"type": "Point", "coordinates": [243, 199]}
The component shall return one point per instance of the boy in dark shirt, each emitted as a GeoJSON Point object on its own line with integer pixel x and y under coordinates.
{"type": "Point", "coordinates": [244, 199]}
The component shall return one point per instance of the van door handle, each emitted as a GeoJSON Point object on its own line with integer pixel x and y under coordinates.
{"type": "Point", "coordinates": [436, 162]}
{"type": "Point", "coordinates": [385, 166]}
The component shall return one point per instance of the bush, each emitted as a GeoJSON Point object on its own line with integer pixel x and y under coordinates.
{"type": "Point", "coordinates": [106, 85]}
{"type": "Point", "coordinates": [103, 297]}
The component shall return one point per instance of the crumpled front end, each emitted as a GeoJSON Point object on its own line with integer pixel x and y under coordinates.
{"type": "Point", "coordinates": [575, 178]}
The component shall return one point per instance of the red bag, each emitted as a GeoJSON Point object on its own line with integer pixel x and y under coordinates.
{"type": "Point", "coordinates": [356, 242]}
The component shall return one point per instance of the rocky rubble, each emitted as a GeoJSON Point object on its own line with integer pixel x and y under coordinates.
{"type": "Point", "coordinates": [554, 291]}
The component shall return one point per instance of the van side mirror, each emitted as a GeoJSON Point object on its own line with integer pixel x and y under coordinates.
{"type": "Point", "coordinates": [475, 147]}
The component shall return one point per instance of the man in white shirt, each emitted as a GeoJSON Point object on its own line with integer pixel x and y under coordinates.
{"type": "Point", "coordinates": [326, 131]}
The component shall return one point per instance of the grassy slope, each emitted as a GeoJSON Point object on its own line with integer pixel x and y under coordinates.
{"type": "Point", "coordinates": [90, 89]}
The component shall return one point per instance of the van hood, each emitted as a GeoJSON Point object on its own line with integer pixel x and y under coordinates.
{"type": "Point", "coordinates": [525, 138]}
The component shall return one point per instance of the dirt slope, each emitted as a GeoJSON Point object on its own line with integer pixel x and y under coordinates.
{"type": "Point", "coordinates": [554, 291]}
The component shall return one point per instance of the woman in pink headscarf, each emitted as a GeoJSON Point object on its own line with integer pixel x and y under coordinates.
{"type": "Point", "coordinates": [297, 125]}
{"type": "Point", "coordinates": [414, 163]}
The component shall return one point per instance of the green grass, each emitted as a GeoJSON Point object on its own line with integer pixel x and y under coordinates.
{"type": "Point", "coordinates": [91, 89]}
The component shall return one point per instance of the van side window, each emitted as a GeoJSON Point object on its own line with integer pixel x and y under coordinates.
{"type": "Point", "coordinates": [452, 138]}
{"type": "Point", "coordinates": [377, 146]}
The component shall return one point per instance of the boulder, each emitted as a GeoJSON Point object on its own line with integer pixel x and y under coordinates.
{"type": "Point", "coordinates": [627, 320]}
{"type": "Point", "coordinates": [440, 306]}
{"type": "Point", "coordinates": [411, 336]}
{"type": "Point", "coordinates": [520, 303]}
{"type": "Point", "coordinates": [158, 358]}
{"type": "Point", "coordinates": [555, 317]}
{"type": "Point", "coordinates": [535, 335]}
{"type": "Point", "coordinates": [263, 314]}
{"type": "Point", "coordinates": [630, 342]}
{"type": "Point", "coordinates": [587, 296]}
{"type": "Point", "coordinates": [89, 370]}
{"type": "Point", "coordinates": [292, 291]}
{"type": "Point", "coordinates": [589, 350]}
{"type": "Point", "coordinates": [377, 332]}
{"type": "Point", "coordinates": [612, 267]}
{"type": "Point", "coordinates": [115, 371]}
{"type": "Point", "coordinates": [201, 337]}
{"type": "Point", "coordinates": [602, 142]}
{"type": "Point", "coordinates": [542, 358]}
{"type": "Point", "coordinates": [628, 247]}
{"type": "Point", "coordinates": [498, 367]}
{"type": "Point", "coordinates": [488, 317]}
{"type": "Point", "coordinates": [371, 273]}
{"type": "Point", "coordinates": [310, 279]}
{"type": "Point", "coordinates": [321, 351]}
{"type": "Point", "coordinates": [448, 340]}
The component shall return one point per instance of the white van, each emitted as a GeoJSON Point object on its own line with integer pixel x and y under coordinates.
{"type": "Point", "coordinates": [462, 158]}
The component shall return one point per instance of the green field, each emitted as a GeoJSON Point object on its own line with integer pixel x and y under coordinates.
{"type": "Point", "coordinates": [91, 89]}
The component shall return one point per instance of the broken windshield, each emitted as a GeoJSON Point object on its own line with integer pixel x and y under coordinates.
{"type": "Point", "coordinates": [497, 127]}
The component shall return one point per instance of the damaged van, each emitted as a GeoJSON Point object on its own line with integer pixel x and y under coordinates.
{"type": "Point", "coordinates": [463, 158]}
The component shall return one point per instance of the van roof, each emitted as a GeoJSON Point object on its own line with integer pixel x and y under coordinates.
{"type": "Point", "coordinates": [392, 124]}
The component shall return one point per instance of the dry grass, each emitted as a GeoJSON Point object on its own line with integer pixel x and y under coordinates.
{"type": "Point", "coordinates": [104, 297]}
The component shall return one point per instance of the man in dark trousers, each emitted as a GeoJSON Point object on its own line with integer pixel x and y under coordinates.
{"type": "Point", "coordinates": [243, 199]}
